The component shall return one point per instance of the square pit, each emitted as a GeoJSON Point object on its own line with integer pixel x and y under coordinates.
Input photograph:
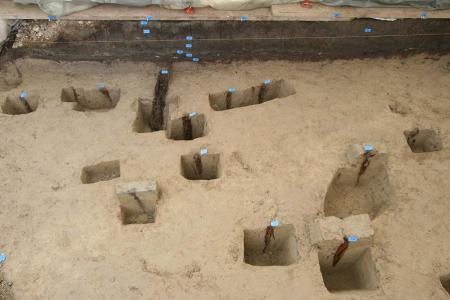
{"type": "Point", "coordinates": [210, 167]}
{"type": "Point", "coordinates": [282, 250]}
{"type": "Point", "coordinates": [103, 171]}
{"type": "Point", "coordinates": [355, 271]}
{"type": "Point", "coordinates": [423, 140]}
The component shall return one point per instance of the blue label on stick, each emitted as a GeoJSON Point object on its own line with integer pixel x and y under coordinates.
{"type": "Point", "coordinates": [352, 238]}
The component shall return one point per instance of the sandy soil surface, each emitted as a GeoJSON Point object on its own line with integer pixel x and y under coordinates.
{"type": "Point", "coordinates": [64, 239]}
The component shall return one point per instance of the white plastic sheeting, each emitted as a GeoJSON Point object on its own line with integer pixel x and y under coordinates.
{"type": "Point", "coordinates": [65, 7]}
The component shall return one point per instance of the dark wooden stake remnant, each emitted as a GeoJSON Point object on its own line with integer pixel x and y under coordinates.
{"type": "Point", "coordinates": [228, 100]}
{"type": "Point", "coordinates": [412, 137]}
{"type": "Point", "coordinates": [75, 95]}
{"type": "Point", "coordinates": [139, 201]}
{"type": "Point", "coordinates": [198, 163]}
{"type": "Point", "coordinates": [159, 102]}
{"type": "Point", "coordinates": [364, 164]}
{"type": "Point", "coordinates": [105, 92]}
{"type": "Point", "coordinates": [262, 93]}
{"type": "Point", "coordinates": [270, 233]}
{"type": "Point", "coordinates": [27, 105]}
{"type": "Point", "coordinates": [340, 251]}
{"type": "Point", "coordinates": [187, 127]}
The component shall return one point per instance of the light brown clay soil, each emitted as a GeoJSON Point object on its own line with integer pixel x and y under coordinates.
{"type": "Point", "coordinates": [64, 239]}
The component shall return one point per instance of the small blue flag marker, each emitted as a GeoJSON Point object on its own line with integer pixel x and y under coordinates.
{"type": "Point", "coordinates": [244, 18]}
{"type": "Point", "coordinates": [149, 18]}
{"type": "Point", "coordinates": [52, 18]}
{"type": "Point", "coordinates": [368, 30]}
{"type": "Point", "coordinates": [274, 223]}
{"type": "Point", "coordinates": [101, 86]}
{"type": "Point", "coordinates": [368, 148]}
{"type": "Point", "coordinates": [23, 95]}
{"type": "Point", "coordinates": [192, 114]}
{"type": "Point", "coordinates": [196, 59]}
{"type": "Point", "coordinates": [423, 15]}
{"type": "Point", "coordinates": [189, 46]}
{"type": "Point", "coordinates": [203, 151]}
{"type": "Point", "coordinates": [164, 72]}
{"type": "Point", "coordinates": [188, 54]}
{"type": "Point", "coordinates": [146, 31]}
{"type": "Point", "coordinates": [267, 82]}
{"type": "Point", "coordinates": [336, 15]}
{"type": "Point", "coordinates": [232, 90]}
{"type": "Point", "coordinates": [180, 51]}
{"type": "Point", "coordinates": [144, 23]}
{"type": "Point", "coordinates": [2, 257]}
{"type": "Point", "coordinates": [189, 38]}
{"type": "Point", "coordinates": [352, 238]}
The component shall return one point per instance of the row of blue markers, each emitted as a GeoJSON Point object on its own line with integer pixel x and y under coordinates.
{"type": "Point", "coordinates": [189, 39]}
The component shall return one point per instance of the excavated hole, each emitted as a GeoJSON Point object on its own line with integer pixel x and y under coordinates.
{"type": "Point", "coordinates": [131, 217]}
{"type": "Point", "coordinates": [101, 172]}
{"type": "Point", "coordinates": [282, 251]}
{"type": "Point", "coordinates": [187, 128]}
{"type": "Point", "coordinates": [423, 140]}
{"type": "Point", "coordinates": [445, 281]}
{"type": "Point", "coordinates": [355, 271]}
{"type": "Point", "coordinates": [151, 115]}
{"type": "Point", "coordinates": [208, 169]}
{"type": "Point", "coordinates": [138, 212]}
{"type": "Point", "coordinates": [370, 196]}
{"type": "Point", "coordinates": [91, 99]}
{"type": "Point", "coordinates": [15, 106]}
{"type": "Point", "coordinates": [254, 95]}
{"type": "Point", "coordinates": [142, 122]}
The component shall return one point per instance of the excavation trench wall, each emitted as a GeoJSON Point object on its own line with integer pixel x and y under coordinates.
{"type": "Point", "coordinates": [235, 40]}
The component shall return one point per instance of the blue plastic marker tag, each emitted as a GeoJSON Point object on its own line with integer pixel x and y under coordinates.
{"type": "Point", "coordinates": [336, 15]}
{"type": "Point", "coordinates": [180, 51]}
{"type": "Point", "coordinates": [244, 18]}
{"type": "Point", "coordinates": [52, 18]}
{"type": "Point", "coordinates": [368, 148]}
{"type": "Point", "coordinates": [2, 257]}
{"type": "Point", "coordinates": [189, 38]}
{"type": "Point", "coordinates": [192, 114]}
{"type": "Point", "coordinates": [188, 54]}
{"type": "Point", "coordinates": [274, 223]}
{"type": "Point", "coordinates": [232, 90]}
{"type": "Point", "coordinates": [189, 46]}
{"type": "Point", "coordinates": [203, 151]}
{"type": "Point", "coordinates": [196, 59]}
{"type": "Point", "coordinates": [352, 238]}
{"type": "Point", "coordinates": [23, 95]}
{"type": "Point", "coordinates": [368, 30]}
{"type": "Point", "coordinates": [164, 72]}
{"type": "Point", "coordinates": [149, 18]}
{"type": "Point", "coordinates": [146, 31]}
{"type": "Point", "coordinates": [423, 15]}
{"type": "Point", "coordinates": [144, 23]}
{"type": "Point", "coordinates": [101, 86]}
{"type": "Point", "coordinates": [267, 82]}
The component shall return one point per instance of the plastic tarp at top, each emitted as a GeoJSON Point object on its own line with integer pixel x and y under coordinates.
{"type": "Point", "coordinates": [65, 7]}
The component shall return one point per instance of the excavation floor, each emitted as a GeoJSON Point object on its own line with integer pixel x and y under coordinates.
{"type": "Point", "coordinates": [64, 239]}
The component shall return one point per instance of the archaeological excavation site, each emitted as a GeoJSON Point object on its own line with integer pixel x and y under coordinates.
{"type": "Point", "coordinates": [218, 149]}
